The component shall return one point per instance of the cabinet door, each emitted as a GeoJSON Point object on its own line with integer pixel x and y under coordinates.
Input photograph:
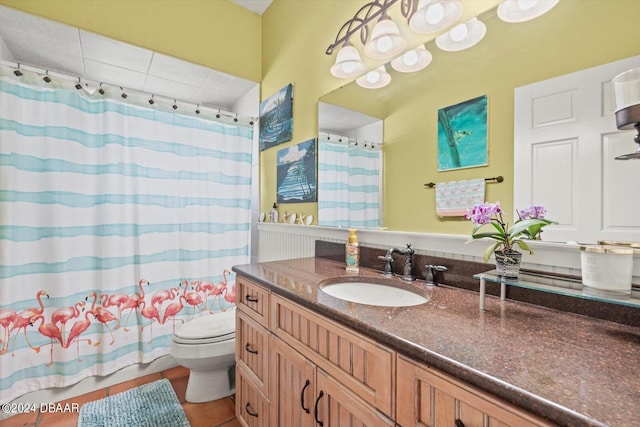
{"type": "Point", "coordinates": [252, 350]}
{"type": "Point", "coordinates": [252, 408]}
{"type": "Point", "coordinates": [337, 406]}
{"type": "Point", "coordinates": [362, 365]}
{"type": "Point", "coordinates": [427, 397]}
{"type": "Point", "coordinates": [292, 386]}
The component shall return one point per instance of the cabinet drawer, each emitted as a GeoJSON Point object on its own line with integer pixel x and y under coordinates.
{"type": "Point", "coordinates": [252, 349]}
{"type": "Point", "coordinates": [252, 408]}
{"type": "Point", "coordinates": [428, 397]}
{"type": "Point", "coordinates": [253, 299]}
{"type": "Point", "coordinates": [362, 365]}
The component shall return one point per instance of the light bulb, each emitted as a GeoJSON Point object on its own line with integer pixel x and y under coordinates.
{"type": "Point", "coordinates": [384, 44]}
{"type": "Point", "coordinates": [526, 4]}
{"type": "Point", "coordinates": [348, 67]}
{"type": "Point", "coordinates": [434, 13]}
{"type": "Point", "coordinates": [410, 58]}
{"type": "Point", "coordinates": [459, 32]}
{"type": "Point", "coordinates": [373, 77]}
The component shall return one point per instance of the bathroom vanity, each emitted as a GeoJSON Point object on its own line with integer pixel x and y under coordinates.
{"type": "Point", "coordinates": [306, 358]}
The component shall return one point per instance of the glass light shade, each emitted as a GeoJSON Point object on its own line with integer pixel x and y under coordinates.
{"type": "Point", "coordinates": [348, 63]}
{"type": "Point", "coordinates": [385, 41]}
{"type": "Point", "coordinates": [524, 10]}
{"type": "Point", "coordinates": [435, 15]}
{"type": "Point", "coordinates": [412, 60]}
{"type": "Point", "coordinates": [626, 91]}
{"type": "Point", "coordinates": [462, 36]}
{"type": "Point", "coordinates": [375, 79]}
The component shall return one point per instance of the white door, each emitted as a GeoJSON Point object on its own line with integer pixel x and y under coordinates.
{"type": "Point", "coordinates": [565, 142]}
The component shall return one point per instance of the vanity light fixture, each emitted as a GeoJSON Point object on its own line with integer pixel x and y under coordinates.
{"type": "Point", "coordinates": [462, 36]}
{"type": "Point", "coordinates": [524, 10]}
{"type": "Point", "coordinates": [348, 63]}
{"type": "Point", "coordinates": [435, 15]}
{"type": "Point", "coordinates": [412, 60]}
{"type": "Point", "coordinates": [375, 79]}
{"type": "Point", "coordinates": [385, 41]}
{"type": "Point", "coordinates": [626, 91]}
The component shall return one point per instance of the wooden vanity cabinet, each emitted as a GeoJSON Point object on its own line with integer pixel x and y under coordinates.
{"type": "Point", "coordinates": [430, 398]}
{"type": "Point", "coordinates": [252, 354]}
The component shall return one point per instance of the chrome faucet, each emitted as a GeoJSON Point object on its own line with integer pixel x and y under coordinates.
{"type": "Point", "coordinates": [407, 275]}
{"type": "Point", "coordinates": [430, 275]}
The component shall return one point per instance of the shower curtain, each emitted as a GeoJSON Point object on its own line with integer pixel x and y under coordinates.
{"type": "Point", "coordinates": [349, 182]}
{"type": "Point", "coordinates": [117, 224]}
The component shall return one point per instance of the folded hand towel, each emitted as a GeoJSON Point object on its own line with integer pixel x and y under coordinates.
{"type": "Point", "coordinates": [454, 198]}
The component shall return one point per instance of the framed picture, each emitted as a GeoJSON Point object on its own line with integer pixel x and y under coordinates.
{"type": "Point", "coordinates": [276, 118]}
{"type": "Point", "coordinates": [462, 135]}
{"type": "Point", "coordinates": [296, 173]}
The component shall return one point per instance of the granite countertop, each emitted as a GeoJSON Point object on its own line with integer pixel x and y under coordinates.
{"type": "Point", "coordinates": [571, 369]}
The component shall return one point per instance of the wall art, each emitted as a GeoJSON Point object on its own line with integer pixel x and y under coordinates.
{"type": "Point", "coordinates": [276, 118]}
{"type": "Point", "coordinates": [296, 173]}
{"type": "Point", "coordinates": [462, 135]}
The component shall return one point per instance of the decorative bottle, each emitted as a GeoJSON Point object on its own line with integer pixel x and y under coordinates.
{"type": "Point", "coordinates": [353, 252]}
{"type": "Point", "coordinates": [274, 213]}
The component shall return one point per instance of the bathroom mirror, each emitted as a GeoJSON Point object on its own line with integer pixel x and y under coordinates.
{"type": "Point", "coordinates": [349, 167]}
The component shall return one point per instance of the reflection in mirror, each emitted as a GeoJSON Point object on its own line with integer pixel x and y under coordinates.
{"type": "Point", "coordinates": [349, 168]}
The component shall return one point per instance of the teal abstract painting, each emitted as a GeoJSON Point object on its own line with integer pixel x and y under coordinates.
{"type": "Point", "coordinates": [296, 173]}
{"type": "Point", "coordinates": [462, 135]}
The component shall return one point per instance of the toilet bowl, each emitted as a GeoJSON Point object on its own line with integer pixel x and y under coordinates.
{"type": "Point", "coordinates": [206, 345]}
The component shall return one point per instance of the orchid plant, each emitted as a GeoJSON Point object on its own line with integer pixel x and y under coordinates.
{"type": "Point", "coordinates": [529, 224]}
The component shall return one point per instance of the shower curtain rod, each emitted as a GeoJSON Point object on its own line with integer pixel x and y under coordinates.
{"type": "Point", "coordinates": [357, 141]}
{"type": "Point", "coordinates": [97, 86]}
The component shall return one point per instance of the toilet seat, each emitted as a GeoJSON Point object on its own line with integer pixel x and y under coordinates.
{"type": "Point", "coordinates": [208, 329]}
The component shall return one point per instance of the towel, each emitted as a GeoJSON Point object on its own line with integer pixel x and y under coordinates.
{"type": "Point", "coordinates": [454, 198]}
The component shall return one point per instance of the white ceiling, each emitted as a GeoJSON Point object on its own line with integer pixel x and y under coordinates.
{"type": "Point", "coordinates": [31, 40]}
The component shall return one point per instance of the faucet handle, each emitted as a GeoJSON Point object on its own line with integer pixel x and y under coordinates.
{"type": "Point", "coordinates": [430, 275]}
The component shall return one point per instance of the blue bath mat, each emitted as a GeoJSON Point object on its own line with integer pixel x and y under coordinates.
{"type": "Point", "coordinates": [149, 405]}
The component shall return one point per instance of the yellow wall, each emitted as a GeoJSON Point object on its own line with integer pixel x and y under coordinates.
{"type": "Point", "coordinates": [288, 43]}
{"type": "Point", "coordinates": [214, 33]}
{"type": "Point", "coordinates": [573, 36]}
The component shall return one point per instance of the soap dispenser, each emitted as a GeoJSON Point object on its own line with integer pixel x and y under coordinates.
{"type": "Point", "coordinates": [353, 252]}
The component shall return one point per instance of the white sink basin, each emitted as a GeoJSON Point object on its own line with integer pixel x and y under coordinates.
{"type": "Point", "coordinates": [373, 294]}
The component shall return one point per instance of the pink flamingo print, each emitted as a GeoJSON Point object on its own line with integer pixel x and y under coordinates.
{"type": "Point", "coordinates": [206, 288]}
{"type": "Point", "coordinates": [230, 295]}
{"type": "Point", "coordinates": [134, 301]}
{"type": "Point", "coordinates": [103, 315]}
{"type": "Point", "coordinates": [25, 317]}
{"type": "Point", "coordinates": [172, 310]}
{"type": "Point", "coordinates": [118, 300]}
{"type": "Point", "coordinates": [219, 289]}
{"type": "Point", "coordinates": [51, 331]}
{"type": "Point", "coordinates": [77, 329]}
{"type": "Point", "coordinates": [7, 316]}
{"type": "Point", "coordinates": [194, 299]}
{"type": "Point", "coordinates": [161, 296]}
{"type": "Point", "coordinates": [64, 314]}
{"type": "Point", "coordinates": [151, 313]}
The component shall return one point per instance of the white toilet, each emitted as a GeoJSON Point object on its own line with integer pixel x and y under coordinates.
{"type": "Point", "coordinates": [206, 345]}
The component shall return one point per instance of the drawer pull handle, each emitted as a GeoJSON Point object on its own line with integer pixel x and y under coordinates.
{"type": "Point", "coordinates": [248, 348]}
{"type": "Point", "coordinates": [459, 423]}
{"type": "Point", "coordinates": [251, 298]}
{"type": "Point", "coordinates": [253, 414]}
{"type": "Point", "coordinates": [306, 384]}
{"type": "Point", "coordinates": [315, 409]}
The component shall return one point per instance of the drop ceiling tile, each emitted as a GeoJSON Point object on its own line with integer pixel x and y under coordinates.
{"type": "Point", "coordinates": [113, 75]}
{"type": "Point", "coordinates": [222, 90]}
{"type": "Point", "coordinates": [109, 51]}
{"type": "Point", "coordinates": [63, 36]}
{"type": "Point", "coordinates": [42, 52]}
{"type": "Point", "coordinates": [169, 88]}
{"type": "Point", "coordinates": [171, 68]}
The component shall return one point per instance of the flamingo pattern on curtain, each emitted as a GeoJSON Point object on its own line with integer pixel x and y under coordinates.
{"type": "Point", "coordinates": [117, 224]}
{"type": "Point", "coordinates": [349, 182]}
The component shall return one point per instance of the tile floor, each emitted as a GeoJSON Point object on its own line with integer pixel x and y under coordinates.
{"type": "Point", "coordinates": [219, 413]}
